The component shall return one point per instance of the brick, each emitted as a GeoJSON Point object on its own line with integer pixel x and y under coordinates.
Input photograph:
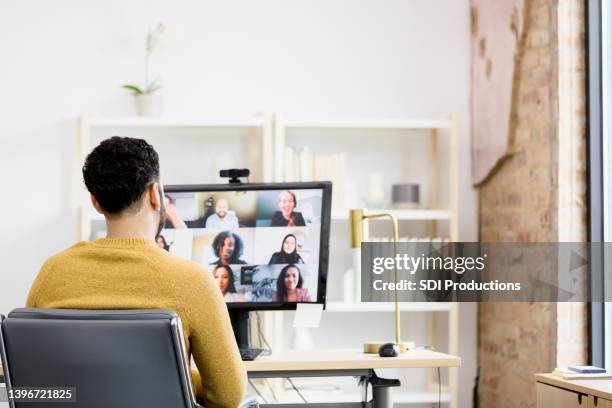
{"type": "Point", "coordinates": [521, 202]}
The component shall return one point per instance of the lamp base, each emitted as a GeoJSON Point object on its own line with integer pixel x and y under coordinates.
{"type": "Point", "coordinates": [371, 347]}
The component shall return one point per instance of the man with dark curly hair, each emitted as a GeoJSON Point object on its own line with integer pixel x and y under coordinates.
{"type": "Point", "coordinates": [127, 270]}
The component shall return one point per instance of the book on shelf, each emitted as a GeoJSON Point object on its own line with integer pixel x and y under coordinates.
{"type": "Point", "coordinates": [305, 165]}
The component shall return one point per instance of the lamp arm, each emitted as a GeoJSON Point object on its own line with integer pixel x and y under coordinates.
{"type": "Point", "coordinates": [395, 240]}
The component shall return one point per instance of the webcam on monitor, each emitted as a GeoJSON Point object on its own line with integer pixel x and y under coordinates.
{"type": "Point", "coordinates": [234, 175]}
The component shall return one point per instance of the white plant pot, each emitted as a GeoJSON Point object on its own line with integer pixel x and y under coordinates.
{"type": "Point", "coordinates": [148, 104]}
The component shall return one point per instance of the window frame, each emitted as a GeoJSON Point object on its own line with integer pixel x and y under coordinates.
{"type": "Point", "coordinates": [597, 189]}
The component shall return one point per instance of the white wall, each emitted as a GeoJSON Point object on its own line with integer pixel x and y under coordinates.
{"type": "Point", "coordinates": [309, 58]}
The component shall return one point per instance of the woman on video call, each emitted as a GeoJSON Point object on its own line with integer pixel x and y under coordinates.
{"type": "Point", "coordinates": [225, 278]}
{"type": "Point", "coordinates": [288, 252]}
{"type": "Point", "coordinates": [289, 286]}
{"type": "Point", "coordinates": [227, 247]}
{"type": "Point", "coordinates": [286, 217]}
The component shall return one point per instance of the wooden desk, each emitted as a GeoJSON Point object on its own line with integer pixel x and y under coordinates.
{"type": "Point", "coordinates": [345, 362]}
{"type": "Point", "coordinates": [557, 392]}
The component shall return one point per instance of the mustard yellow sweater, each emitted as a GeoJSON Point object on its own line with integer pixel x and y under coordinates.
{"type": "Point", "coordinates": [133, 273]}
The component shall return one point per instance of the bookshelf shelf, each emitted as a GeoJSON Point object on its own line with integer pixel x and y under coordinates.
{"type": "Point", "coordinates": [405, 397]}
{"type": "Point", "coordinates": [314, 390]}
{"type": "Point", "coordinates": [403, 215]}
{"type": "Point", "coordinates": [163, 122]}
{"type": "Point", "coordinates": [368, 123]}
{"type": "Point", "coordinates": [342, 307]}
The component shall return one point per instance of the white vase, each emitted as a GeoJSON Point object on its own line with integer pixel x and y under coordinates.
{"type": "Point", "coordinates": [148, 104]}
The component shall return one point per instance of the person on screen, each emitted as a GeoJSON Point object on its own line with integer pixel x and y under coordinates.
{"type": "Point", "coordinates": [286, 217]}
{"type": "Point", "coordinates": [223, 217]}
{"type": "Point", "coordinates": [289, 286]}
{"type": "Point", "coordinates": [288, 252]}
{"type": "Point", "coordinates": [227, 247]}
{"type": "Point", "coordinates": [225, 277]}
{"type": "Point", "coordinates": [172, 218]}
{"type": "Point", "coordinates": [162, 243]}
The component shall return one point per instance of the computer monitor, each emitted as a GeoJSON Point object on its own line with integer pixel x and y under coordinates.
{"type": "Point", "coordinates": [265, 244]}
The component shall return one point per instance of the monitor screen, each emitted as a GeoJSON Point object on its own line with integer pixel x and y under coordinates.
{"type": "Point", "coordinates": [265, 244]}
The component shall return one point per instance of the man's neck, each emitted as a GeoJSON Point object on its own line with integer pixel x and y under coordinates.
{"type": "Point", "coordinates": [129, 227]}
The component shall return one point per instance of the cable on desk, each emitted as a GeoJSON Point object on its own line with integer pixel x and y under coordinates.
{"type": "Point", "coordinates": [271, 389]}
{"type": "Point", "coordinates": [257, 391]}
{"type": "Point", "coordinates": [262, 338]}
{"type": "Point", "coordinates": [296, 390]}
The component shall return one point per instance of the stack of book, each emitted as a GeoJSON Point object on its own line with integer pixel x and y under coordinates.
{"type": "Point", "coordinates": [305, 165]}
{"type": "Point", "coordinates": [581, 372]}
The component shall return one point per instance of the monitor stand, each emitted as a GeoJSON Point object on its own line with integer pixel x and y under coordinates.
{"type": "Point", "coordinates": [242, 327]}
{"type": "Point", "coordinates": [242, 331]}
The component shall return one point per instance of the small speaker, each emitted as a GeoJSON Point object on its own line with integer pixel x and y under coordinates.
{"type": "Point", "coordinates": [405, 196]}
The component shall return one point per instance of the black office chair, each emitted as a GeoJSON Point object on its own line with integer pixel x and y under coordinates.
{"type": "Point", "coordinates": [111, 358]}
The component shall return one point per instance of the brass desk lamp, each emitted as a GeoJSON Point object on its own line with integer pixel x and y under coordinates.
{"type": "Point", "coordinates": [356, 222]}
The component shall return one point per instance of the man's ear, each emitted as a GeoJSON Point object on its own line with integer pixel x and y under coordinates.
{"type": "Point", "coordinates": [96, 204]}
{"type": "Point", "coordinates": [154, 197]}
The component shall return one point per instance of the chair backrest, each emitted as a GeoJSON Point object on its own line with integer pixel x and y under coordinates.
{"type": "Point", "coordinates": [111, 358]}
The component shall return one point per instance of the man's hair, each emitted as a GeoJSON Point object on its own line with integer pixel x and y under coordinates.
{"type": "Point", "coordinates": [119, 170]}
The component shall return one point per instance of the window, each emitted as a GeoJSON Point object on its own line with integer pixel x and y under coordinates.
{"type": "Point", "coordinates": [599, 71]}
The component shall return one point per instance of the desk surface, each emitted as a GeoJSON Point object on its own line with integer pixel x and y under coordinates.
{"type": "Point", "coordinates": [601, 388]}
{"type": "Point", "coordinates": [348, 359]}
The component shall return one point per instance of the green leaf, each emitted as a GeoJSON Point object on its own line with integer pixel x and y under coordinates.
{"type": "Point", "coordinates": [135, 90]}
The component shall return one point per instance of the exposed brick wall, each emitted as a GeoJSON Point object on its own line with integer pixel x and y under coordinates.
{"type": "Point", "coordinates": [538, 194]}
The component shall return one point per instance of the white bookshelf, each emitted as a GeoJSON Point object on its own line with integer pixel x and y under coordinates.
{"type": "Point", "coordinates": [442, 136]}
{"type": "Point", "coordinates": [272, 131]}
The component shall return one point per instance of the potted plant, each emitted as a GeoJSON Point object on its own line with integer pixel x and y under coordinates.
{"type": "Point", "coordinates": [147, 101]}
{"type": "Point", "coordinates": [147, 98]}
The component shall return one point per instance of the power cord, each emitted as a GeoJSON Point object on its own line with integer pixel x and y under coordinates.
{"type": "Point", "coordinates": [261, 336]}
{"type": "Point", "coordinates": [296, 390]}
{"type": "Point", "coordinates": [267, 351]}
{"type": "Point", "coordinates": [271, 389]}
{"type": "Point", "coordinates": [257, 391]}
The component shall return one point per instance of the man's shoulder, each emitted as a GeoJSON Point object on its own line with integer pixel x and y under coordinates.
{"type": "Point", "coordinates": [177, 264]}
{"type": "Point", "coordinates": [66, 254]}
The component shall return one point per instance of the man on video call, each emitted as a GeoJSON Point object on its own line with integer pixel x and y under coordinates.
{"type": "Point", "coordinates": [223, 217]}
{"type": "Point", "coordinates": [127, 270]}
